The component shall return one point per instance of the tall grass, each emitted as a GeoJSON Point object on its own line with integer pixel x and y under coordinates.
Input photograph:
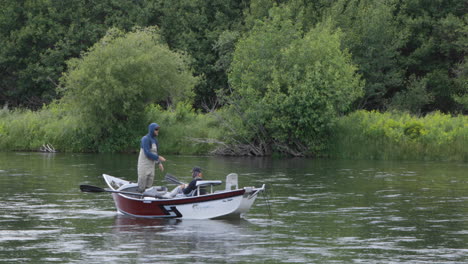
{"type": "Point", "coordinates": [359, 135]}
{"type": "Point", "coordinates": [183, 130]}
{"type": "Point", "coordinates": [29, 130]}
{"type": "Point", "coordinates": [400, 136]}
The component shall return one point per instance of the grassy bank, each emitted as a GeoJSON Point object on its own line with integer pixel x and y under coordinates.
{"type": "Point", "coordinates": [359, 135]}
{"type": "Point", "coordinates": [399, 136]}
{"type": "Point", "coordinates": [28, 130]}
{"type": "Point", "coordinates": [183, 131]}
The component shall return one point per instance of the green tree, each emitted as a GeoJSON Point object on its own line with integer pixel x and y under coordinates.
{"type": "Point", "coordinates": [110, 86]}
{"type": "Point", "coordinates": [461, 81]}
{"type": "Point", "coordinates": [374, 38]}
{"type": "Point", "coordinates": [413, 98]}
{"type": "Point", "coordinates": [288, 87]}
{"type": "Point", "coordinates": [306, 14]}
{"type": "Point", "coordinates": [436, 46]}
{"type": "Point", "coordinates": [38, 36]}
{"type": "Point", "coordinates": [196, 26]}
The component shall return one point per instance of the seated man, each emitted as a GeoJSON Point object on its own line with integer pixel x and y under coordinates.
{"type": "Point", "coordinates": [186, 189]}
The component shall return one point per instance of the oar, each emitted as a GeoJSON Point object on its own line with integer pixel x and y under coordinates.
{"type": "Point", "coordinates": [89, 188]}
{"type": "Point", "coordinates": [172, 179]}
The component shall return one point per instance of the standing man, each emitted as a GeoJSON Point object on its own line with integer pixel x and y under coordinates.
{"type": "Point", "coordinates": [148, 158]}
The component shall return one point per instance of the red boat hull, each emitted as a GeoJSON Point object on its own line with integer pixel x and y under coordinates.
{"type": "Point", "coordinates": [166, 208]}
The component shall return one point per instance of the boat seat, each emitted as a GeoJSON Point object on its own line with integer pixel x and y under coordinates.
{"type": "Point", "coordinates": [201, 184]}
{"type": "Point", "coordinates": [208, 183]}
{"type": "Point", "coordinates": [231, 180]}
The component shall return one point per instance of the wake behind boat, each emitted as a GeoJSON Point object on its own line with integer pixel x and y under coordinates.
{"type": "Point", "coordinates": [231, 202]}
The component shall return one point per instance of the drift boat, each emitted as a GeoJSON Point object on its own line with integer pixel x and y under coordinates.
{"type": "Point", "coordinates": [231, 202]}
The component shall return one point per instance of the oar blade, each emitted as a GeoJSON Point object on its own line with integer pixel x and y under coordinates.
{"type": "Point", "coordinates": [90, 188]}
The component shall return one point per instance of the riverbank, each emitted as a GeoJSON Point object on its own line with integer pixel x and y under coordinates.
{"type": "Point", "coordinates": [358, 135]}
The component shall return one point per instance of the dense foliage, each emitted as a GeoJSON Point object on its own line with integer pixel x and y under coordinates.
{"type": "Point", "coordinates": [37, 37]}
{"type": "Point", "coordinates": [289, 86]}
{"type": "Point", "coordinates": [112, 83]}
{"type": "Point", "coordinates": [404, 49]}
{"type": "Point", "coordinates": [275, 76]}
{"type": "Point", "coordinates": [374, 38]}
{"type": "Point", "coordinates": [200, 27]}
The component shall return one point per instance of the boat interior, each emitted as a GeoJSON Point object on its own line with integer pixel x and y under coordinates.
{"type": "Point", "coordinates": [203, 188]}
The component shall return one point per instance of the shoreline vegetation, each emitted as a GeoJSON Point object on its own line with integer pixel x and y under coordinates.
{"type": "Point", "coordinates": [348, 79]}
{"type": "Point", "coordinates": [400, 136]}
{"type": "Point", "coordinates": [358, 135]}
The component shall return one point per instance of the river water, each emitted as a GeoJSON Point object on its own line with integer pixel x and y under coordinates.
{"type": "Point", "coordinates": [316, 211]}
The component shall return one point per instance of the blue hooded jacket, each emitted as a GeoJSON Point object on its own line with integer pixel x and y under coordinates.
{"type": "Point", "coordinates": [148, 140]}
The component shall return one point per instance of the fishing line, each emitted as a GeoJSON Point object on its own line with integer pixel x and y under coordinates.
{"type": "Point", "coordinates": [267, 198]}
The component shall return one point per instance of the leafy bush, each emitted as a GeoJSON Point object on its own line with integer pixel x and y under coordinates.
{"type": "Point", "coordinates": [104, 96]}
{"type": "Point", "coordinates": [109, 87]}
{"type": "Point", "coordinates": [288, 87]}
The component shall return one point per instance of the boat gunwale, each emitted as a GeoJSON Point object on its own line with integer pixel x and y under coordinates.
{"type": "Point", "coordinates": [186, 200]}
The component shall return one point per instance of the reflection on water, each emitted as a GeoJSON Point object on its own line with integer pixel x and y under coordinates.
{"type": "Point", "coordinates": [173, 239]}
{"type": "Point", "coordinates": [322, 212]}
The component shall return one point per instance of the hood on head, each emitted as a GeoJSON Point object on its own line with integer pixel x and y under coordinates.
{"type": "Point", "coordinates": [151, 129]}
